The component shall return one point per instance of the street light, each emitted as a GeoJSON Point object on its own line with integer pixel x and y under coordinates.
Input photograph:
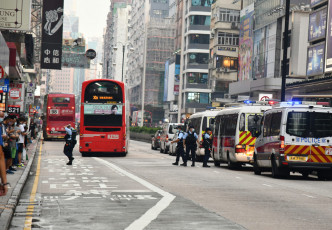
{"type": "Point", "coordinates": [123, 54]}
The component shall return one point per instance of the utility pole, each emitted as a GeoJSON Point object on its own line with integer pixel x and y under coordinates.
{"type": "Point", "coordinates": [144, 72]}
{"type": "Point", "coordinates": [284, 60]}
{"type": "Point", "coordinates": [123, 56]}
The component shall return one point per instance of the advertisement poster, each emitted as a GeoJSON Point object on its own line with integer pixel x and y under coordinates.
{"type": "Point", "coordinates": [317, 25]}
{"type": "Point", "coordinates": [52, 26]}
{"type": "Point", "coordinates": [314, 3]}
{"type": "Point", "coordinates": [108, 109]}
{"type": "Point", "coordinates": [246, 43]}
{"type": "Point", "coordinates": [315, 63]}
{"type": "Point", "coordinates": [177, 79]}
{"type": "Point", "coordinates": [166, 76]}
{"type": "Point", "coordinates": [15, 14]}
{"type": "Point", "coordinates": [328, 62]}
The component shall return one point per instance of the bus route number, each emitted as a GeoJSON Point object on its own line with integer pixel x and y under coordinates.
{"type": "Point", "coordinates": [54, 111]}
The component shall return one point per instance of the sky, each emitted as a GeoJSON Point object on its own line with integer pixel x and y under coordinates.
{"type": "Point", "coordinates": [92, 15]}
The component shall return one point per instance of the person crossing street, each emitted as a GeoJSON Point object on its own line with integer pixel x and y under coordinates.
{"type": "Point", "coordinates": [190, 140]}
{"type": "Point", "coordinates": [207, 144]}
{"type": "Point", "coordinates": [180, 148]}
{"type": "Point", "coordinates": [68, 145]}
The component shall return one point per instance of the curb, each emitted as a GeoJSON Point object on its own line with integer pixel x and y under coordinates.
{"type": "Point", "coordinates": [7, 214]}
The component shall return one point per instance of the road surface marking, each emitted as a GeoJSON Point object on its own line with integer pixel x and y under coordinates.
{"type": "Point", "coordinates": [309, 196]}
{"type": "Point", "coordinates": [267, 185]}
{"type": "Point", "coordinates": [30, 208]}
{"type": "Point", "coordinates": [238, 178]}
{"type": "Point", "coordinates": [216, 172]}
{"type": "Point", "coordinates": [153, 212]}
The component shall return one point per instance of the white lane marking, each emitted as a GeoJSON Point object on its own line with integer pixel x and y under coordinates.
{"type": "Point", "coordinates": [238, 178]}
{"type": "Point", "coordinates": [153, 212]}
{"type": "Point", "coordinates": [134, 191]}
{"type": "Point", "coordinates": [308, 196]}
{"type": "Point", "coordinates": [267, 185]}
{"type": "Point", "coordinates": [72, 198]}
{"type": "Point", "coordinates": [216, 172]}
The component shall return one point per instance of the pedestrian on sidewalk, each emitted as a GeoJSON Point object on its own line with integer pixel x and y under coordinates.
{"type": "Point", "coordinates": [207, 144]}
{"type": "Point", "coordinates": [7, 122]}
{"type": "Point", "coordinates": [3, 176]}
{"type": "Point", "coordinates": [180, 148]}
{"type": "Point", "coordinates": [13, 137]}
{"type": "Point", "coordinates": [20, 141]}
{"type": "Point", "coordinates": [68, 145]}
{"type": "Point", "coordinates": [190, 139]}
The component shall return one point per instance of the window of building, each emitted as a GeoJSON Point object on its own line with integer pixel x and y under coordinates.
{"type": "Point", "coordinates": [195, 78]}
{"type": "Point", "coordinates": [202, 98]}
{"type": "Point", "coordinates": [205, 3]}
{"type": "Point", "coordinates": [160, 1]}
{"type": "Point", "coordinates": [198, 58]}
{"type": "Point", "coordinates": [230, 39]}
{"type": "Point", "coordinates": [157, 12]}
{"type": "Point", "coordinates": [200, 20]}
{"type": "Point", "coordinates": [230, 63]}
{"type": "Point", "coordinates": [228, 15]}
{"type": "Point", "coordinates": [199, 39]}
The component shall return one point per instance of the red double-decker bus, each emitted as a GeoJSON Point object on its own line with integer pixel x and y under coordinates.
{"type": "Point", "coordinates": [104, 117]}
{"type": "Point", "coordinates": [59, 110]}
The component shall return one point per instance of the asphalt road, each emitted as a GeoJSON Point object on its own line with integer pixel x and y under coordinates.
{"type": "Point", "coordinates": [143, 190]}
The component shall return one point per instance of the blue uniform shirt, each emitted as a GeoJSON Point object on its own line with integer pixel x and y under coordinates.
{"type": "Point", "coordinates": [181, 136]}
{"type": "Point", "coordinates": [206, 136]}
{"type": "Point", "coordinates": [69, 132]}
{"type": "Point", "coordinates": [195, 135]}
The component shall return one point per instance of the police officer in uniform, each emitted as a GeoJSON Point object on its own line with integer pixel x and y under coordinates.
{"type": "Point", "coordinates": [68, 145]}
{"type": "Point", "coordinates": [207, 144]}
{"type": "Point", "coordinates": [180, 148]}
{"type": "Point", "coordinates": [190, 140]}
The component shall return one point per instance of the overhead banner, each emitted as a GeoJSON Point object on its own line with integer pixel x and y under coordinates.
{"type": "Point", "coordinates": [52, 26]}
{"type": "Point", "coordinates": [317, 25]}
{"type": "Point", "coordinates": [315, 63]}
{"type": "Point", "coordinates": [246, 42]}
{"type": "Point", "coordinates": [15, 14]}
{"type": "Point", "coordinates": [75, 60]}
{"type": "Point", "coordinates": [328, 55]}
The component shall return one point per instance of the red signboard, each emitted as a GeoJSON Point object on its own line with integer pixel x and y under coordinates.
{"type": "Point", "coordinates": [2, 72]}
{"type": "Point", "coordinates": [14, 93]}
{"type": "Point", "coordinates": [14, 109]}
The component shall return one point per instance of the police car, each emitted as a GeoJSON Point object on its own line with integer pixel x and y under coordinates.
{"type": "Point", "coordinates": [295, 137]}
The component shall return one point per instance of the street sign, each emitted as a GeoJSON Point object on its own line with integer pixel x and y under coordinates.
{"type": "Point", "coordinates": [30, 87]}
{"type": "Point", "coordinates": [37, 107]}
{"type": "Point", "coordinates": [91, 54]}
{"type": "Point", "coordinates": [4, 85]}
{"type": "Point", "coordinates": [14, 93]}
{"type": "Point", "coordinates": [30, 98]}
{"type": "Point", "coordinates": [16, 109]}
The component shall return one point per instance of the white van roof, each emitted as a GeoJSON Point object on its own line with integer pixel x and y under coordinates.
{"type": "Point", "coordinates": [207, 113]}
{"type": "Point", "coordinates": [245, 109]}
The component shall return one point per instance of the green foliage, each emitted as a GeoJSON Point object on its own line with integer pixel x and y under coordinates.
{"type": "Point", "coordinates": [143, 129]}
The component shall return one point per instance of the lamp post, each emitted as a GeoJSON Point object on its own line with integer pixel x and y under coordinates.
{"type": "Point", "coordinates": [123, 55]}
{"type": "Point", "coordinates": [284, 60]}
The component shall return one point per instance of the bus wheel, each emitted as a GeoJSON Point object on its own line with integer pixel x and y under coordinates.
{"type": "Point", "coordinates": [257, 170]}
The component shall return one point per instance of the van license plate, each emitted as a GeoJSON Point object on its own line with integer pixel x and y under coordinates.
{"type": "Point", "coordinates": [296, 158]}
{"type": "Point", "coordinates": [328, 151]}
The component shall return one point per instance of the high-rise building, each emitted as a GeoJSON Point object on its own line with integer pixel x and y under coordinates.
{"type": "Point", "coordinates": [195, 94]}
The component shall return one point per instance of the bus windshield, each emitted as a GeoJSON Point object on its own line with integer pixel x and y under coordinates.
{"type": "Point", "coordinates": [103, 92]}
{"type": "Point", "coordinates": [309, 124]}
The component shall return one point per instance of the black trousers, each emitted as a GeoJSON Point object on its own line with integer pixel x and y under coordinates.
{"type": "Point", "coordinates": [192, 149]}
{"type": "Point", "coordinates": [180, 152]}
{"type": "Point", "coordinates": [206, 155]}
{"type": "Point", "coordinates": [67, 150]}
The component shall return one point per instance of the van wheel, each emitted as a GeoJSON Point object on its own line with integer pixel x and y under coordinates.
{"type": "Point", "coordinates": [257, 170]}
{"type": "Point", "coordinates": [217, 163]}
{"type": "Point", "coordinates": [166, 150]}
{"type": "Point", "coordinates": [230, 164]}
{"type": "Point", "coordinates": [324, 175]}
{"type": "Point", "coordinates": [161, 149]}
{"type": "Point", "coordinates": [277, 172]}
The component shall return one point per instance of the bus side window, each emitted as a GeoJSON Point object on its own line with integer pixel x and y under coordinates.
{"type": "Point", "coordinates": [267, 125]}
{"type": "Point", "coordinates": [242, 125]}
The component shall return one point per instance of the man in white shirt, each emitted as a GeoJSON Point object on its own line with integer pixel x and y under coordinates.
{"type": "Point", "coordinates": [20, 141]}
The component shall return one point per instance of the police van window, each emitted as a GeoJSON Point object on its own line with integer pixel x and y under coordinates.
{"type": "Point", "coordinates": [230, 124]}
{"type": "Point", "coordinates": [275, 124]}
{"type": "Point", "coordinates": [254, 122]}
{"type": "Point", "coordinates": [217, 126]}
{"type": "Point", "coordinates": [242, 125]}
{"type": "Point", "coordinates": [170, 130]}
{"type": "Point", "coordinates": [204, 125]}
{"type": "Point", "coordinates": [309, 124]}
{"type": "Point", "coordinates": [267, 124]}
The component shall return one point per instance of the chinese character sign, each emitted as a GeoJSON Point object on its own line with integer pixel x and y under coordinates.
{"type": "Point", "coordinates": [52, 26]}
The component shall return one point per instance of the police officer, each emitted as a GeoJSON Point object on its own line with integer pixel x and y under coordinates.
{"type": "Point", "coordinates": [207, 144]}
{"type": "Point", "coordinates": [68, 146]}
{"type": "Point", "coordinates": [180, 148]}
{"type": "Point", "coordinates": [190, 140]}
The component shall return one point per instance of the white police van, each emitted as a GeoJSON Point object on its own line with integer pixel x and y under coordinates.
{"type": "Point", "coordinates": [295, 137]}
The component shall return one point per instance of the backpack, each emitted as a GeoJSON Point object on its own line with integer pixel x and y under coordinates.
{"type": "Point", "coordinates": [191, 139]}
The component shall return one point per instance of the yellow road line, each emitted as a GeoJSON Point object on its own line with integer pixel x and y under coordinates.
{"type": "Point", "coordinates": [30, 208]}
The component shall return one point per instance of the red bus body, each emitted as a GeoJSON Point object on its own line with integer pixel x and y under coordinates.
{"type": "Point", "coordinates": [101, 129]}
{"type": "Point", "coordinates": [59, 110]}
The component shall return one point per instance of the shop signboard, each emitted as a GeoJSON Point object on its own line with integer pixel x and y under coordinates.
{"type": "Point", "coordinates": [15, 15]}
{"type": "Point", "coordinates": [52, 27]}
{"type": "Point", "coordinates": [317, 25]}
{"type": "Point", "coordinates": [315, 59]}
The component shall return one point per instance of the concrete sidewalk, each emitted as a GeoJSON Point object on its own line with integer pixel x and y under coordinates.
{"type": "Point", "coordinates": [17, 181]}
